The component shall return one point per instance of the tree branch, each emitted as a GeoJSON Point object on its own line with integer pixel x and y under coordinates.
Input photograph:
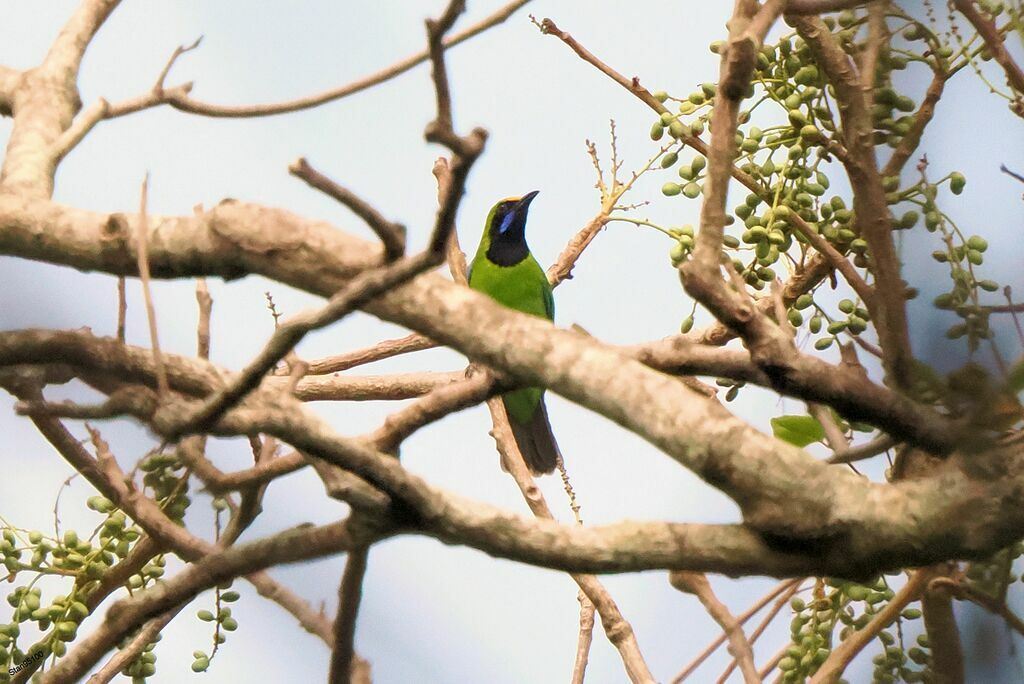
{"type": "Point", "coordinates": [298, 544]}
{"type": "Point", "coordinates": [350, 593]}
{"type": "Point", "coordinates": [943, 634]}
{"type": "Point", "coordinates": [184, 103]}
{"type": "Point", "coordinates": [698, 585]}
{"type": "Point", "coordinates": [392, 235]}
{"type": "Point", "coordinates": [873, 220]}
{"type": "Point", "coordinates": [990, 34]}
{"type": "Point", "coordinates": [837, 661]}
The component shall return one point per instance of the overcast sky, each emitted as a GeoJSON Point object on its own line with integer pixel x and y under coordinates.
{"type": "Point", "coordinates": [430, 612]}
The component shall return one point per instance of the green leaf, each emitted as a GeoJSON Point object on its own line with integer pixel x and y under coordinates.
{"type": "Point", "coordinates": [798, 430]}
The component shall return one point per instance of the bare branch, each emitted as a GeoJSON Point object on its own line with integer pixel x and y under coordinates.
{"type": "Point", "coordinates": [392, 235]}
{"type": "Point", "coordinates": [69, 47]}
{"type": "Point", "coordinates": [120, 660]}
{"type": "Point", "coordinates": [990, 34]}
{"type": "Point", "coordinates": [579, 667]}
{"type": "Point", "coordinates": [620, 632]}
{"type": "Point", "coordinates": [797, 7]}
{"type": "Point", "coordinates": [922, 117]}
{"type": "Point", "coordinates": [780, 602]}
{"type": "Point", "coordinates": [963, 590]}
{"type": "Point", "coordinates": [350, 593]}
{"type": "Point", "coordinates": [382, 350]}
{"type": "Point", "coordinates": [548, 27]}
{"type": "Point", "coordinates": [841, 656]}
{"type": "Point", "coordinates": [888, 305]}
{"type": "Point", "coordinates": [697, 584]}
{"type": "Point", "coordinates": [293, 545]}
{"type": "Point", "coordinates": [437, 404]}
{"type": "Point", "coordinates": [10, 80]}
{"type": "Point", "coordinates": [187, 104]}
{"type": "Point", "coordinates": [205, 302]}
{"type": "Point", "coordinates": [863, 451]}
{"type": "Point", "coordinates": [742, 619]}
{"type": "Point", "coordinates": [143, 256]}
{"type": "Point", "coordinates": [943, 634]}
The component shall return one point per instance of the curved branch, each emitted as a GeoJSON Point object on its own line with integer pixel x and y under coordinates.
{"type": "Point", "coordinates": [185, 103]}
{"type": "Point", "coordinates": [69, 47]}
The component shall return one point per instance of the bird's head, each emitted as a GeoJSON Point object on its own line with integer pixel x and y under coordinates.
{"type": "Point", "coordinates": [507, 222]}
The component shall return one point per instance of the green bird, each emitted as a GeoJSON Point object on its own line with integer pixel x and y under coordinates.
{"type": "Point", "coordinates": [504, 269]}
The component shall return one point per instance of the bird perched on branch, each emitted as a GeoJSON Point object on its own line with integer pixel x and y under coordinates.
{"type": "Point", "coordinates": [505, 269]}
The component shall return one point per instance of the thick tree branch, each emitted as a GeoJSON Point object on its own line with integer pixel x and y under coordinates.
{"type": "Point", "coordinates": [869, 526]}
{"type": "Point", "coordinates": [10, 80]}
{"type": "Point", "coordinates": [44, 102]}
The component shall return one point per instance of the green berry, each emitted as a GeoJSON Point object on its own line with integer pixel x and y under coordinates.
{"type": "Point", "coordinates": [957, 181]}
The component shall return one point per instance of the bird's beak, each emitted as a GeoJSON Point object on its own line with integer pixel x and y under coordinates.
{"type": "Point", "coordinates": [524, 203]}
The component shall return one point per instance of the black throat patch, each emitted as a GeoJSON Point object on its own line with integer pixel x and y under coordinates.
{"type": "Point", "coordinates": [507, 250]}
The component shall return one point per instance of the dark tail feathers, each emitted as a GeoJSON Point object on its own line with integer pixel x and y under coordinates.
{"type": "Point", "coordinates": [536, 442]}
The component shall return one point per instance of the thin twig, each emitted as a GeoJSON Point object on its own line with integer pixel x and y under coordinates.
{"type": "Point", "coordinates": [585, 639]}
{"type": "Point", "coordinates": [835, 438]}
{"type": "Point", "coordinates": [761, 627]}
{"type": "Point", "coordinates": [836, 663]}
{"type": "Point", "coordinates": [391, 234]}
{"type": "Point", "coordinates": [122, 309]}
{"type": "Point", "coordinates": [205, 302]}
{"type": "Point", "coordinates": [618, 630]}
{"type": "Point", "coordinates": [120, 660]}
{"type": "Point", "coordinates": [1011, 174]}
{"type": "Point", "coordinates": [990, 34]}
{"type": "Point", "coordinates": [384, 349]}
{"type": "Point", "coordinates": [696, 583]}
{"type": "Point", "coordinates": [143, 264]}
{"type": "Point", "coordinates": [962, 590]}
{"type": "Point", "coordinates": [779, 589]}
{"type": "Point", "coordinates": [878, 445]}
{"type": "Point", "coordinates": [187, 104]}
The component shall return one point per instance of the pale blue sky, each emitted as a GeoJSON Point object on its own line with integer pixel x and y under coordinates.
{"type": "Point", "coordinates": [430, 613]}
